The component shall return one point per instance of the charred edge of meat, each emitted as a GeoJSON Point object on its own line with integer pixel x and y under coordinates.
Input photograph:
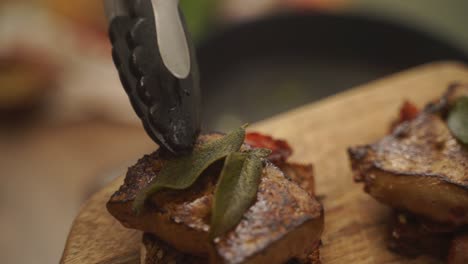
{"type": "Point", "coordinates": [361, 167]}
{"type": "Point", "coordinates": [373, 176]}
{"type": "Point", "coordinates": [358, 157]}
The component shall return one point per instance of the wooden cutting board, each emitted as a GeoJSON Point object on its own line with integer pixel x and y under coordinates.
{"type": "Point", "coordinates": [319, 133]}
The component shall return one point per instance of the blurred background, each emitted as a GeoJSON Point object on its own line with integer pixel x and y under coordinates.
{"type": "Point", "coordinates": [67, 128]}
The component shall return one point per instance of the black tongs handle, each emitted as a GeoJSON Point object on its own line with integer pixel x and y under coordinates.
{"type": "Point", "coordinates": [157, 66]}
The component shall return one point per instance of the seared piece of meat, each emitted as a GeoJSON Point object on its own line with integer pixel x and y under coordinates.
{"type": "Point", "coordinates": [285, 221]}
{"type": "Point", "coordinates": [155, 251]}
{"type": "Point", "coordinates": [459, 250]}
{"type": "Point", "coordinates": [420, 167]}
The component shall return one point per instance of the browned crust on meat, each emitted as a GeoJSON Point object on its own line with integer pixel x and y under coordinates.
{"type": "Point", "coordinates": [423, 147]}
{"type": "Point", "coordinates": [283, 211]}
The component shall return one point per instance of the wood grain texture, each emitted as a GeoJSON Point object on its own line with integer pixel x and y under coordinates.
{"type": "Point", "coordinates": [355, 225]}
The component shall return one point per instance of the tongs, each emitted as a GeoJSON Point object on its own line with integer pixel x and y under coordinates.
{"type": "Point", "coordinates": [155, 58]}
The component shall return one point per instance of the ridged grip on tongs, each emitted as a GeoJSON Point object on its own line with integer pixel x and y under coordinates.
{"type": "Point", "coordinates": [166, 101]}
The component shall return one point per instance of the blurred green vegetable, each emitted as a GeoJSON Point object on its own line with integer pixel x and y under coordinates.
{"type": "Point", "coordinates": [199, 14]}
{"type": "Point", "coordinates": [458, 120]}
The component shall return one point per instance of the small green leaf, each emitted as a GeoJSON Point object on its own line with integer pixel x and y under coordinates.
{"type": "Point", "coordinates": [180, 173]}
{"type": "Point", "coordinates": [458, 119]}
{"type": "Point", "coordinates": [236, 189]}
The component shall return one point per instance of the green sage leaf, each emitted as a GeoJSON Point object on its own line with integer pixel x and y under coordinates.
{"type": "Point", "coordinates": [236, 189]}
{"type": "Point", "coordinates": [458, 119]}
{"type": "Point", "coordinates": [180, 173]}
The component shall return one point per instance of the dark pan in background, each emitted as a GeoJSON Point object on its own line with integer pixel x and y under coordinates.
{"type": "Point", "coordinates": [257, 69]}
